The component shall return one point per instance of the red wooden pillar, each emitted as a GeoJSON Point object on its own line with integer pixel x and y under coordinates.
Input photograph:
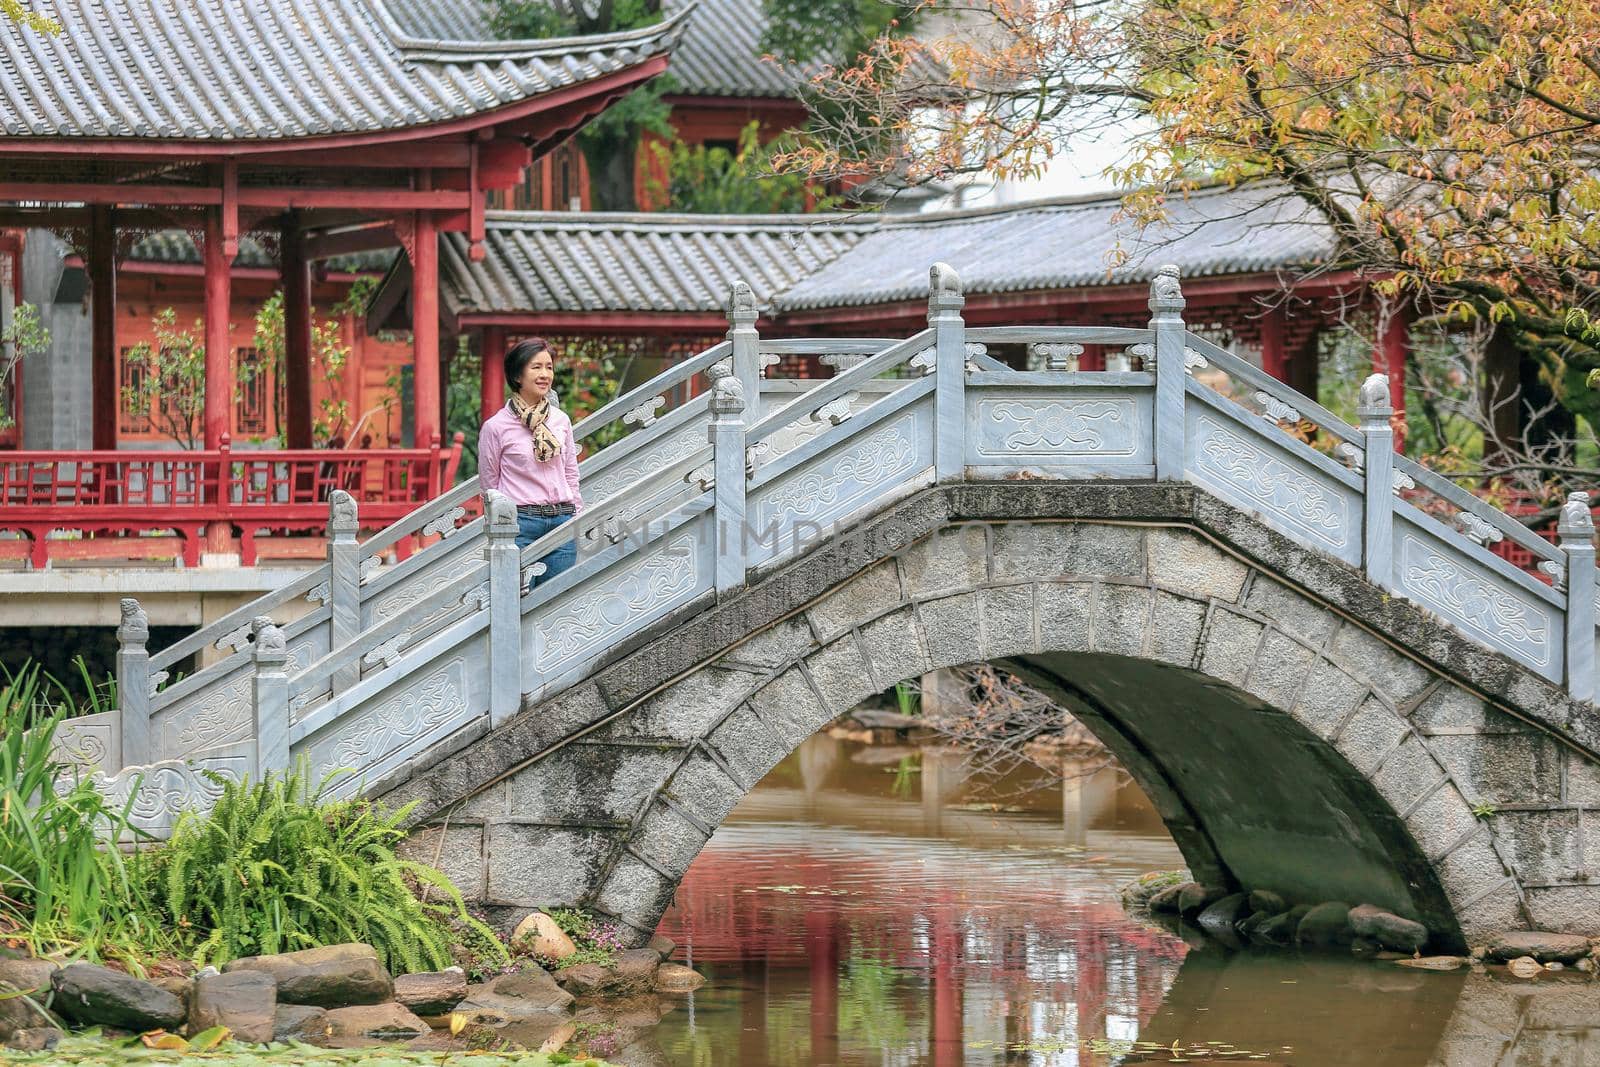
{"type": "Point", "coordinates": [425, 329]}
{"type": "Point", "coordinates": [494, 370]}
{"type": "Point", "coordinates": [217, 411]}
{"type": "Point", "coordinates": [102, 253]}
{"type": "Point", "coordinates": [1394, 349]}
{"type": "Point", "coordinates": [1274, 357]}
{"type": "Point", "coordinates": [296, 279]}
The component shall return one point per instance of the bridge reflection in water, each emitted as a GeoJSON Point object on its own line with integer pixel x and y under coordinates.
{"type": "Point", "coordinates": [870, 907]}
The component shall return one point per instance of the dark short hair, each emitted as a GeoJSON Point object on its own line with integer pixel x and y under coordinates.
{"type": "Point", "coordinates": [520, 356]}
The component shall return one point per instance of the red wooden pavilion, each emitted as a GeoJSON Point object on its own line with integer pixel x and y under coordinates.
{"type": "Point", "coordinates": [321, 123]}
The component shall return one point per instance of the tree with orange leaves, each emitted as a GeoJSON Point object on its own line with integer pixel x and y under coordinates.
{"type": "Point", "coordinates": [1451, 145]}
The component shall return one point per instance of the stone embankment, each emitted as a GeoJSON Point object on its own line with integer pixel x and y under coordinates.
{"type": "Point", "coordinates": [1265, 920]}
{"type": "Point", "coordinates": [337, 995]}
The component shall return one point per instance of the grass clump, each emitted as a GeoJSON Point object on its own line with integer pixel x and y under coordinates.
{"type": "Point", "coordinates": [280, 865]}
{"type": "Point", "coordinates": [61, 889]}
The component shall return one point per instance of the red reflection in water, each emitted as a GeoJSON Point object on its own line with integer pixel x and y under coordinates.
{"type": "Point", "coordinates": [1003, 949]}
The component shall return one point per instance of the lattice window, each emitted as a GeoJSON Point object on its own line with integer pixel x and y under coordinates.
{"type": "Point", "coordinates": [131, 377]}
{"type": "Point", "coordinates": [253, 415]}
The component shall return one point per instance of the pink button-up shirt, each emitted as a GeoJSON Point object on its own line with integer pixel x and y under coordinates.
{"type": "Point", "coordinates": [506, 463]}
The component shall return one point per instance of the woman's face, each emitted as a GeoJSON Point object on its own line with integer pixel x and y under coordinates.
{"type": "Point", "coordinates": [539, 376]}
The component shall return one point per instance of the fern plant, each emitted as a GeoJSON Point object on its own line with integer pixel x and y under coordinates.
{"type": "Point", "coordinates": [278, 865]}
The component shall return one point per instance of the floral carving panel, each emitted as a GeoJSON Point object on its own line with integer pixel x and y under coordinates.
{"type": "Point", "coordinates": [1474, 600]}
{"type": "Point", "coordinates": [615, 477]}
{"type": "Point", "coordinates": [1247, 472]}
{"type": "Point", "coordinates": [588, 618]}
{"type": "Point", "coordinates": [830, 486]}
{"type": "Point", "coordinates": [1039, 428]}
{"type": "Point", "coordinates": [425, 708]}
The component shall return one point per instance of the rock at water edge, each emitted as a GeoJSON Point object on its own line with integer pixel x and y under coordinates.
{"type": "Point", "coordinates": [93, 995]}
{"type": "Point", "coordinates": [583, 979]}
{"type": "Point", "coordinates": [676, 978]}
{"type": "Point", "coordinates": [299, 1022]}
{"type": "Point", "coordinates": [1542, 946]}
{"type": "Point", "coordinates": [1388, 929]}
{"type": "Point", "coordinates": [1325, 925]}
{"type": "Point", "coordinates": [1195, 898]}
{"type": "Point", "coordinates": [374, 1020]}
{"type": "Point", "coordinates": [431, 992]}
{"type": "Point", "coordinates": [245, 1002]}
{"type": "Point", "coordinates": [34, 1039]}
{"type": "Point", "coordinates": [1166, 901]}
{"type": "Point", "coordinates": [31, 978]}
{"type": "Point", "coordinates": [333, 976]}
{"type": "Point", "coordinates": [1222, 917]}
{"type": "Point", "coordinates": [1525, 967]}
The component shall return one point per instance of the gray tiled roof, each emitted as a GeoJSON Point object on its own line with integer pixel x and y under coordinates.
{"type": "Point", "coordinates": [565, 261]}
{"type": "Point", "coordinates": [1066, 244]}
{"type": "Point", "coordinates": [251, 70]}
{"type": "Point", "coordinates": [577, 262]}
{"type": "Point", "coordinates": [176, 246]}
{"type": "Point", "coordinates": [720, 54]}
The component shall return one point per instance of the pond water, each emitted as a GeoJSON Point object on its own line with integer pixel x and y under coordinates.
{"type": "Point", "coordinates": [888, 907]}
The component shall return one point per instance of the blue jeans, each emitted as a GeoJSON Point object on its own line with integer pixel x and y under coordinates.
{"type": "Point", "coordinates": [532, 527]}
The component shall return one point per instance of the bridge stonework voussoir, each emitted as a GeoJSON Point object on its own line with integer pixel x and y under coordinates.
{"type": "Point", "coordinates": [1387, 757]}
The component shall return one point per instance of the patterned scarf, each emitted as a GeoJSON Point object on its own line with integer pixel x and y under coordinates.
{"type": "Point", "coordinates": [533, 416]}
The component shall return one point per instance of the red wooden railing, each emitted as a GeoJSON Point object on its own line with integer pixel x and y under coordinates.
{"type": "Point", "coordinates": [156, 504]}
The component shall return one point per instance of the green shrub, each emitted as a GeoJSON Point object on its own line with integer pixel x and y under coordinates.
{"type": "Point", "coordinates": [277, 866]}
{"type": "Point", "coordinates": [61, 887]}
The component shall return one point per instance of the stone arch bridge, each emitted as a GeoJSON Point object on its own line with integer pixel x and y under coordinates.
{"type": "Point", "coordinates": [1306, 653]}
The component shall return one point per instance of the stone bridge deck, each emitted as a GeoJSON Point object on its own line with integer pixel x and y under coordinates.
{"type": "Point", "coordinates": [1305, 653]}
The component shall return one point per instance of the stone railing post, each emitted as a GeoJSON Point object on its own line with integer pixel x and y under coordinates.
{"type": "Point", "coordinates": [945, 302]}
{"type": "Point", "coordinates": [344, 582]}
{"type": "Point", "coordinates": [133, 684]}
{"type": "Point", "coordinates": [505, 607]}
{"type": "Point", "coordinates": [1373, 410]}
{"type": "Point", "coordinates": [726, 434]}
{"type": "Point", "coordinates": [747, 364]}
{"type": "Point", "coordinates": [270, 698]}
{"type": "Point", "coordinates": [1167, 341]}
{"type": "Point", "coordinates": [1576, 531]}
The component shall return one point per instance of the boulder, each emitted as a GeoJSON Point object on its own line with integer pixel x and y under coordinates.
{"type": "Point", "coordinates": [1325, 925]}
{"type": "Point", "coordinates": [1279, 929]}
{"type": "Point", "coordinates": [99, 996]}
{"type": "Point", "coordinates": [1196, 898]}
{"type": "Point", "coordinates": [583, 979]}
{"type": "Point", "coordinates": [511, 998]}
{"type": "Point", "coordinates": [1525, 967]}
{"type": "Point", "coordinates": [381, 1021]}
{"type": "Point", "coordinates": [32, 979]}
{"type": "Point", "coordinates": [34, 1039]}
{"type": "Point", "coordinates": [1137, 893]}
{"type": "Point", "coordinates": [431, 992]}
{"type": "Point", "coordinates": [299, 1022]}
{"type": "Point", "coordinates": [634, 972]}
{"type": "Point", "coordinates": [1165, 901]}
{"type": "Point", "coordinates": [333, 976]}
{"type": "Point", "coordinates": [1544, 947]}
{"type": "Point", "coordinates": [178, 985]}
{"type": "Point", "coordinates": [663, 947]}
{"type": "Point", "coordinates": [1221, 918]}
{"type": "Point", "coordinates": [1247, 926]}
{"type": "Point", "coordinates": [1387, 928]}
{"type": "Point", "coordinates": [1435, 963]}
{"type": "Point", "coordinates": [244, 1001]}
{"type": "Point", "coordinates": [676, 978]}
{"type": "Point", "coordinates": [544, 937]}
{"type": "Point", "coordinates": [1267, 902]}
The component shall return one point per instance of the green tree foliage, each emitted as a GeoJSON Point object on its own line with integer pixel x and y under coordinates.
{"type": "Point", "coordinates": [834, 31]}
{"type": "Point", "coordinates": [25, 335]}
{"type": "Point", "coordinates": [168, 379]}
{"type": "Point", "coordinates": [280, 865]}
{"type": "Point", "coordinates": [610, 143]}
{"type": "Point", "coordinates": [717, 181]}
{"type": "Point", "coordinates": [329, 355]}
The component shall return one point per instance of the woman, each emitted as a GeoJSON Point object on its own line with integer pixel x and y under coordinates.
{"type": "Point", "coordinates": [527, 451]}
